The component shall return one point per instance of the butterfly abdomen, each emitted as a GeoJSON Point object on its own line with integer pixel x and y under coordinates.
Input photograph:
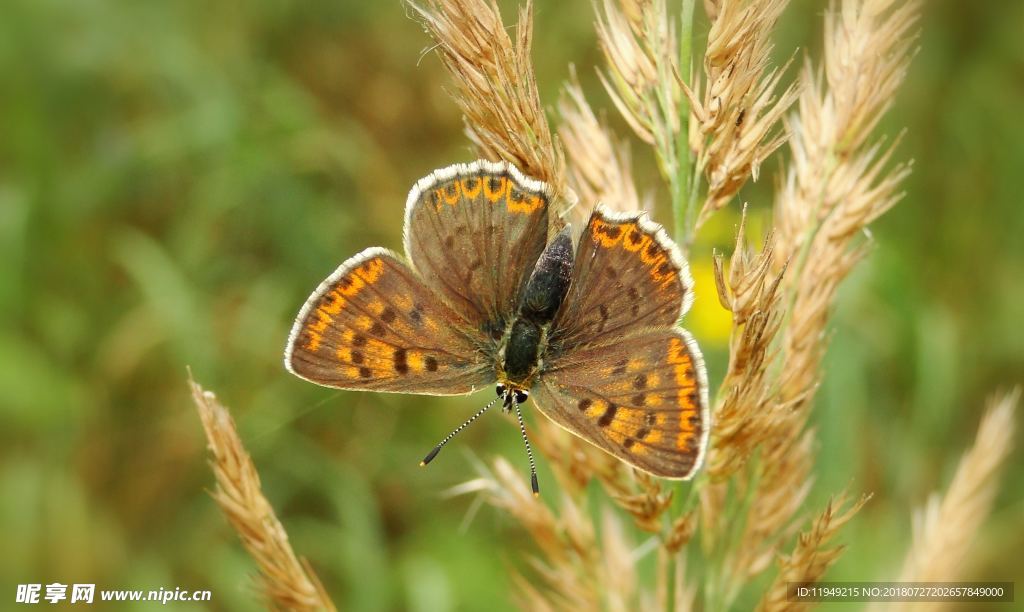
{"type": "Point", "coordinates": [541, 299]}
{"type": "Point", "coordinates": [549, 281]}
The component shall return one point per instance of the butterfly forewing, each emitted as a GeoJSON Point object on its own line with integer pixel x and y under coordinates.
{"type": "Point", "coordinates": [628, 276]}
{"type": "Point", "coordinates": [473, 232]}
{"type": "Point", "coordinates": [642, 398]}
{"type": "Point", "coordinates": [374, 325]}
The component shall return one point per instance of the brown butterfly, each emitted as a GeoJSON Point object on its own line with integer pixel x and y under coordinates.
{"type": "Point", "coordinates": [486, 297]}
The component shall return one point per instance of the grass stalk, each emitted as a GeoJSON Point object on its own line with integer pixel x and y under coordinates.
{"type": "Point", "coordinates": [683, 201]}
{"type": "Point", "coordinates": [287, 582]}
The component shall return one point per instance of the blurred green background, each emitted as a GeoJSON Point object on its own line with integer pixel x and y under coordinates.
{"type": "Point", "coordinates": [176, 177]}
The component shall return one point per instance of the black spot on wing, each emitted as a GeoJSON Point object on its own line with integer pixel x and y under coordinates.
{"type": "Point", "coordinates": [401, 365]}
{"type": "Point", "coordinates": [608, 416]}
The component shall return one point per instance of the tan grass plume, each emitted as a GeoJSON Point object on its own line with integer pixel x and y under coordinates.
{"type": "Point", "coordinates": [837, 183]}
{"type": "Point", "coordinates": [736, 120]}
{"type": "Point", "coordinates": [495, 86]}
{"type": "Point", "coordinates": [946, 526]}
{"type": "Point", "coordinates": [286, 581]}
{"type": "Point", "coordinates": [810, 557]}
{"type": "Point", "coordinates": [598, 163]}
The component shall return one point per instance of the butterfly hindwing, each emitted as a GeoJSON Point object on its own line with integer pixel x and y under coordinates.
{"type": "Point", "coordinates": [374, 325]}
{"type": "Point", "coordinates": [643, 399]}
{"type": "Point", "coordinates": [628, 275]}
{"type": "Point", "coordinates": [473, 232]}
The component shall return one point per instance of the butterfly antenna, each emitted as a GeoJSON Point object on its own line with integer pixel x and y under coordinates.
{"type": "Point", "coordinates": [430, 456]}
{"type": "Point", "coordinates": [529, 451]}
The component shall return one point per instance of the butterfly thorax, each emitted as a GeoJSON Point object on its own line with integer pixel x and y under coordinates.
{"type": "Point", "coordinates": [525, 341]}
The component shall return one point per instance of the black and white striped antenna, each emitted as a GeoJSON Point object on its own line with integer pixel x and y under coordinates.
{"type": "Point", "coordinates": [430, 456]}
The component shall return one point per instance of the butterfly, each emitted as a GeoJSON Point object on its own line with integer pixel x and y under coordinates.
{"type": "Point", "coordinates": [486, 296]}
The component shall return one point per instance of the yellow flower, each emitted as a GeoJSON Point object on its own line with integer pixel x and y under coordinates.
{"type": "Point", "coordinates": [708, 321]}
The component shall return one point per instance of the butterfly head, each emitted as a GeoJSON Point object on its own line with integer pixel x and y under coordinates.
{"type": "Point", "coordinates": [509, 394]}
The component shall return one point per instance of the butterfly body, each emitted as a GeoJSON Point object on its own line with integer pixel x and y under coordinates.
{"type": "Point", "coordinates": [486, 297]}
{"type": "Point", "coordinates": [521, 355]}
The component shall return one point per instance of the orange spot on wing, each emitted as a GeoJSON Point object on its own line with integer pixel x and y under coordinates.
{"type": "Point", "coordinates": [683, 439]}
{"type": "Point", "coordinates": [350, 285]}
{"type": "Point", "coordinates": [378, 347]}
{"type": "Point", "coordinates": [596, 409]}
{"type": "Point", "coordinates": [627, 421]}
{"type": "Point", "coordinates": [682, 364]}
{"type": "Point", "coordinates": [471, 187]}
{"type": "Point", "coordinates": [687, 409]}
{"type": "Point", "coordinates": [322, 321]}
{"type": "Point", "coordinates": [495, 193]}
{"type": "Point", "coordinates": [378, 364]}
{"type": "Point", "coordinates": [633, 238]}
{"type": "Point", "coordinates": [372, 270]}
{"type": "Point", "coordinates": [452, 192]}
{"type": "Point", "coordinates": [334, 301]}
{"type": "Point", "coordinates": [415, 361]}
{"type": "Point", "coordinates": [523, 203]}
{"type": "Point", "coordinates": [608, 234]}
{"type": "Point", "coordinates": [651, 253]}
{"type": "Point", "coordinates": [617, 437]}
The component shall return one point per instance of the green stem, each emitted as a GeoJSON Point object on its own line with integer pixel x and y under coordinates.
{"type": "Point", "coordinates": [680, 181]}
{"type": "Point", "coordinates": [721, 589]}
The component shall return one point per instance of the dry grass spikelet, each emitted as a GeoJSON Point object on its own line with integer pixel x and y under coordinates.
{"type": "Point", "coordinates": [685, 592]}
{"type": "Point", "coordinates": [735, 122]}
{"type": "Point", "coordinates": [598, 163]}
{"type": "Point", "coordinates": [745, 408]}
{"type": "Point", "coordinates": [495, 86]}
{"type": "Point", "coordinates": [853, 187]}
{"type": "Point", "coordinates": [945, 528]}
{"type": "Point", "coordinates": [638, 45]}
{"type": "Point", "coordinates": [782, 487]}
{"type": "Point", "coordinates": [574, 566]}
{"type": "Point", "coordinates": [810, 557]}
{"type": "Point", "coordinates": [641, 50]}
{"type": "Point", "coordinates": [287, 582]}
{"type": "Point", "coordinates": [646, 503]}
{"type": "Point", "coordinates": [867, 49]}
{"type": "Point", "coordinates": [836, 191]}
{"type": "Point", "coordinates": [621, 583]}
{"type": "Point", "coordinates": [579, 564]}
{"type": "Point", "coordinates": [680, 533]}
{"type": "Point", "coordinates": [745, 398]}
